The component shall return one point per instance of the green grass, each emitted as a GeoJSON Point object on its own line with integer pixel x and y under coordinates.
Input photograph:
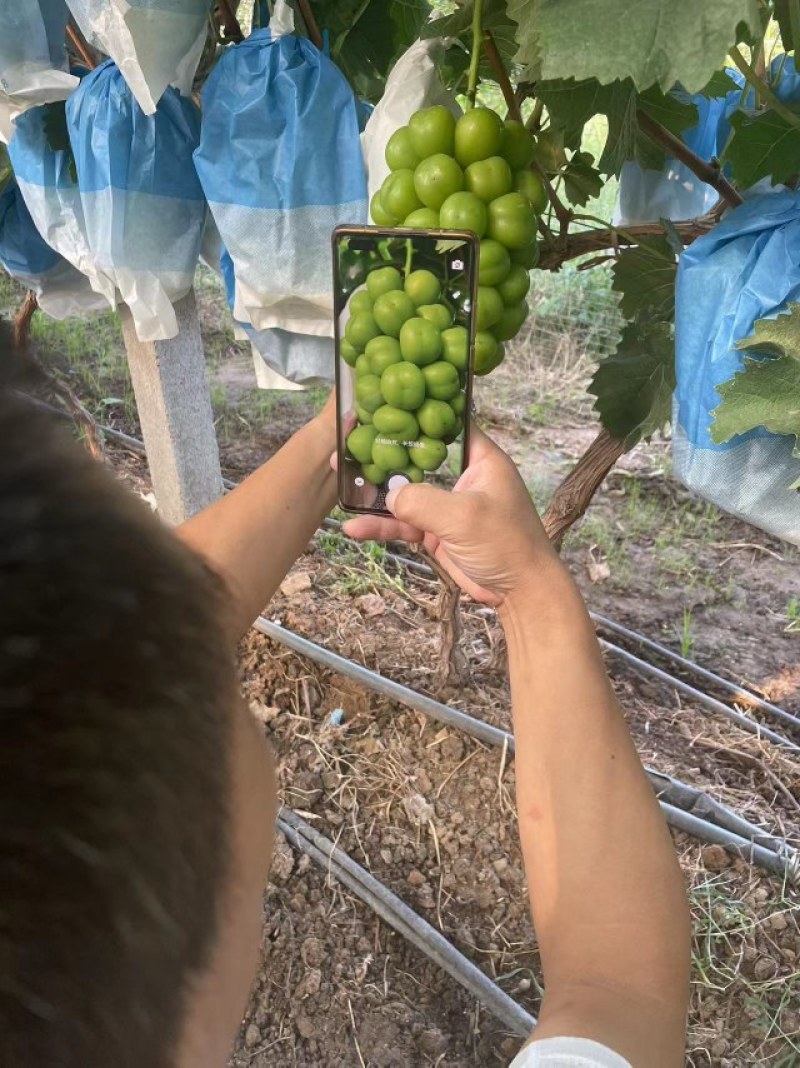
{"type": "Point", "coordinates": [360, 567]}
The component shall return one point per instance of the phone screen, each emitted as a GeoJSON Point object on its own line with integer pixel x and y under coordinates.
{"type": "Point", "coordinates": [404, 307]}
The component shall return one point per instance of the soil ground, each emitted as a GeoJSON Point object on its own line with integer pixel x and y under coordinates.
{"type": "Point", "coordinates": [431, 812]}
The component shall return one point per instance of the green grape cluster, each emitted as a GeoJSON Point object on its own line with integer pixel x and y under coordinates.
{"type": "Point", "coordinates": [410, 362]}
{"type": "Point", "coordinates": [471, 174]}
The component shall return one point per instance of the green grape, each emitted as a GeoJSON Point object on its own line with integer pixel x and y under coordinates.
{"type": "Point", "coordinates": [420, 341]}
{"type": "Point", "coordinates": [360, 302]}
{"type": "Point", "coordinates": [413, 473]}
{"type": "Point", "coordinates": [396, 422]}
{"type": "Point", "coordinates": [359, 442]}
{"type": "Point", "coordinates": [368, 392]}
{"type": "Point", "coordinates": [515, 285]}
{"type": "Point", "coordinates": [403, 386]}
{"type": "Point", "coordinates": [347, 352]}
{"type": "Point", "coordinates": [391, 310]}
{"type": "Point", "coordinates": [512, 221]}
{"type": "Point", "coordinates": [532, 188]}
{"type": "Point", "coordinates": [509, 323]}
{"type": "Point", "coordinates": [437, 178]}
{"type": "Point", "coordinates": [432, 130]}
{"type": "Point", "coordinates": [489, 178]}
{"type": "Point", "coordinates": [485, 350]}
{"type": "Point", "coordinates": [495, 361]}
{"type": "Point", "coordinates": [373, 474]}
{"type": "Point", "coordinates": [389, 454]}
{"type": "Point", "coordinates": [400, 154]}
{"type": "Point", "coordinates": [464, 211]}
{"type": "Point", "coordinates": [383, 280]}
{"type": "Point", "coordinates": [438, 314]}
{"type": "Point", "coordinates": [442, 382]}
{"type": "Point", "coordinates": [455, 346]}
{"type": "Point", "coordinates": [526, 257]}
{"type": "Point", "coordinates": [428, 453]}
{"type": "Point", "coordinates": [363, 415]}
{"type": "Point", "coordinates": [478, 135]}
{"type": "Point", "coordinates": [362, 366]}
{"type": "Point", "coordinates": [518, 145]}
{"type": "Point", "coordinates": [494, 262]}
{"type": "Point", "coordinates": [380, 216]}
{"type": "Point", "coordinates": [381, 353]}
{"type": "Point", "coordinates": [489, 308]}
{"type": "Point", "coordinates": [360, 329]}
{"type": "Point", "coordinates": [459, 404]}
{"type": "Point", "coordinates": [436, 418]}
{"type": "Point", "coordinates": [423, 219]}
{"type": "Point", "coordinates": [398, 196]}
{"type": "Point", "coordinates": [423, 287]}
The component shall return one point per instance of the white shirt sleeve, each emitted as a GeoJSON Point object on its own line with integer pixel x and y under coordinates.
{"type": "Point", "coordinates": [568, 1053]}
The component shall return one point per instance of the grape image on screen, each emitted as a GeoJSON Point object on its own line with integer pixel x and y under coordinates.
{"type": "Point", "coordinates": [404, 346]}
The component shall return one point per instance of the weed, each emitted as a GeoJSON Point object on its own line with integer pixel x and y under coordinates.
{"type": "Point", "coordinates": [793, 615]}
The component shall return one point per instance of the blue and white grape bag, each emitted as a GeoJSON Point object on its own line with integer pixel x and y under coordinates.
{"type": "Point", "coordinates": [52, 197]}
{"type": "Point", "coordinates": [746, 268]}
{"type": "Point", "coordinates": [60, 289]}
{"type": "Point", "coordinates": [280, 162]}
{"type": "Point", "coordinates": [33, 58]}
{"type": "Point", "coordinates": [155, 43]}
{"type": "Point", "coordinates": [143, 208]}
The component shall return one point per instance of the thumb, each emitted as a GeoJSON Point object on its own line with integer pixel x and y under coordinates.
{"type": "Point", "coordinates": [433, 510]}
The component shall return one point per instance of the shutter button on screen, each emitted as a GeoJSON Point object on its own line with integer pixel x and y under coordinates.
{"type": "Point", "coordinates": [397, 482]}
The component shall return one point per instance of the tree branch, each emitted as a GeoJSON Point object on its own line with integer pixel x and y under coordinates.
{"type": "Point", "coordinates": [762, 90]}
{"type": "Point", "coordinates": [570, 246]}
{"type": "Point", "coordinates": [22, 320]}
{"type": "Point", "coordinates": [573, 496]}
{"type": "Point", "coordinates": [311, 22]}
{"type": "Point", "coordinates": [706, 172]}
{"type": "Point", "coordinates": [80, 46]}
{"type": "Point", "coordinates": [500, 73]}
{"type": "Point", "coordinates": [229, 22]}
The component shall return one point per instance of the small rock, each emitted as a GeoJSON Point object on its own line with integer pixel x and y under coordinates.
{"type": "Point", "coordinates": [415, 878]}
{"type": "Point", "coordinates": [765, 968]}
{"type": "Point", "coordinates": [432, 1042]}
{"type": "Point", "coordinates": [418, 810]}
{"type": "Point", "coordinates": [312, 952]}
{"type": "Point", "coordinates": [598, 570]}
{"type": "Point", "coordinates": [282, 860]}
{"type": "Point", "coordinates": [252, 1036]}
{"type": "Point", "coordinates": [500, 865]}
{"type": "Point", "coordinates": [297, 582]}
{"type": "Point", "coordinates": [309, 985]}
{"type": "Point", "coordinates": [715, 858]}
{"type": "Point", "coordinates": [719, 1047]}
{"type": "Point", "coordinates": [778, 922]}
{"type": "Point", "coordinates": [371, 604]}
{"type": "Point", "coordinates": [305, 1026]}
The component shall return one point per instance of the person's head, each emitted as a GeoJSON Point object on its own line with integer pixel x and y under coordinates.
{"type": "Point", "coordinates": [136, 796]}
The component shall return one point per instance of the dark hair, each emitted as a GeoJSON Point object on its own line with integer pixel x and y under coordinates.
{"type": "Point", "coordinates": [116, 690]}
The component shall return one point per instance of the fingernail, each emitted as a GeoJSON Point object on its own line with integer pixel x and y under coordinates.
{"type": "Point", "coordinates": [391, 497]}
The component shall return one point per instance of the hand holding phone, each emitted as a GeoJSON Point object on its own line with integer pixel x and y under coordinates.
{"type": "Point", "coordinates": [404, 342]}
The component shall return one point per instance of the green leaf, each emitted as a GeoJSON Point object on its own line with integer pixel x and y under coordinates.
{"type": "Point", "coordinates": [776, 337]}
{"type": "Point", "coordinates": [719, 84]}
{"type": "Point", "coordinates": [571, 104]}
{"type": "Point", "coordinates": [765, 393]}
{"type": "Point", "coordinates": [645, 276]}
{"type": "Point", "coordinates": [763, 146]}
{"type": "Point", "coordinates": [582, 180]}
{"type": "Point", "coordinates": [55, 126]}
{"type": "Point", "coordinates": [6, 170]}
{"type": "Point", "coordinates": [368, 36]}
{"type": "Point", "coordinates": [634, 386]}
{"type": "Point", "coordinates": [784, 15]}
{"type": "Point", "coordinates": [651, 41]}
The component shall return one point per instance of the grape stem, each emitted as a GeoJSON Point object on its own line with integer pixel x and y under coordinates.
{"type": "Point", "coordinates": [475, 54]}
{"type": "Point", "coordinates": [501, 75]}
{"type": "Point", "coordinates": [409, 257]}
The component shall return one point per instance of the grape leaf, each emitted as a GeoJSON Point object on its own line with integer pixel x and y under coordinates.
{"type": "Point", "coordinates": [763, 146]}
{"type": "Point", "coordinates": [368, 36]}
{"type": "Point", "coordinates": [764, 393]}
{"type": "Point", "coordinates": [783, 14]}
{"type": "Point", "coordinates": [645, 276]}
{"type": "Point", "coordinates": [776, 337]}
{"type": "Point", "coordinates": [6, 170]}
{"type": "Point", "coordinates": [650, 41]}
{"type": "Point", "coordinates": [633, 387]}
{"type": "Point", "coordinates": [582, 180]}
{"type": "Point", "coordinates": [571, 104]}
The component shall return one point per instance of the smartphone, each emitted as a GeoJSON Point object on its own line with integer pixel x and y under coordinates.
{"type": "Point", "coordinates": [405, 336]}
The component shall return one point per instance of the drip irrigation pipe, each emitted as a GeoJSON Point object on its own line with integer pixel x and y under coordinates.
{"type": "Point", "coordinates": [679, 794]}
{"type": "Point", "coordinates": [743, 695]}
{"type": "Point", "coordinates": [394, 911]}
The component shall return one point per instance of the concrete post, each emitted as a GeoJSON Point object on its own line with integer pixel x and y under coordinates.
{"type": "Point", "coordinates": [174, 405]}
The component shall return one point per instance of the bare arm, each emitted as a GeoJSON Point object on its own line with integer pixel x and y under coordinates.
{"type": "Point", "coordinates": [252, 536]}
{"type": "Point", "coordinates": [606, 889]}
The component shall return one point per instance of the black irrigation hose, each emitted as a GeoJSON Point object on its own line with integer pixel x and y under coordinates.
{"type": "Point", "coordinates": [394, 911]}
{"type": "Point", "coordinates": [747, 724]}
{"type": "Point", "coordinates": [728, 826]}
{"type": "Point", "coordinates": [740, 693]}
